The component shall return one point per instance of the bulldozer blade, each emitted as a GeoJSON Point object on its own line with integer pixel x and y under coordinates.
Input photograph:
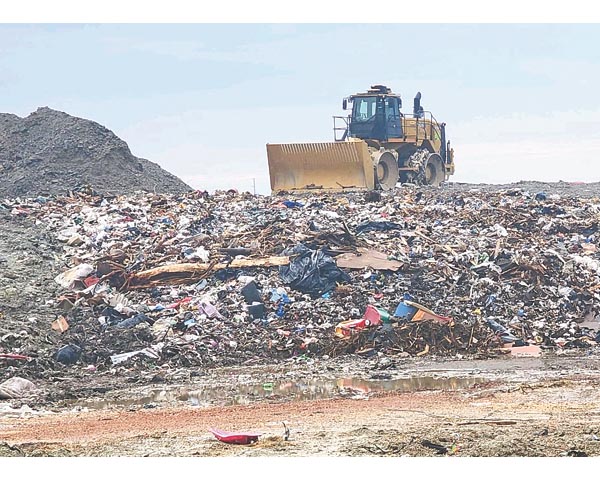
{"type": "Point", "coordinates": [328, 166]}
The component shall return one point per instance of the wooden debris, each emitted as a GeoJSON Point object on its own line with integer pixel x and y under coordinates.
{"type": "Point", "coordinates": [237, 251]}
{"type": "Point", "coordinates": [485, 421]}
{"type": "Point", "coordinates": [424, 352]}
{"type": "Point", "coordinates": [186, 273]}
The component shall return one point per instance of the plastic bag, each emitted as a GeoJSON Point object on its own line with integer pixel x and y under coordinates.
{"type": "Point", "coordinates": [377, 227]}
{"type": "Point", "coordinates": [311, 271]}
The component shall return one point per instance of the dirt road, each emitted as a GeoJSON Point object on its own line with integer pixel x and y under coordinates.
{"type": "Point", "coordinates": [557, 413]}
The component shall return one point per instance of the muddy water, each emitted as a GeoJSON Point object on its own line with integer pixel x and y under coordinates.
{"type": "Point", "coordinates": [286, 390]}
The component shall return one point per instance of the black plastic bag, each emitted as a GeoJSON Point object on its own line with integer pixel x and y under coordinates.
{"type": "Point", "coordinates": [311, 271]}
{"type": "Point", "coordinates": [377, 227]}
{"type": "Point", "coordinates": [251, 293]}
{"type": "Point", "coordinates": [68, 355]}
{"type": "Point", "coordinates": [135, 320]}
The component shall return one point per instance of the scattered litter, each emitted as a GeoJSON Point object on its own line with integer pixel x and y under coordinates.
{"type": "Point", "coordinates": [60, 324]}
{"type": "Point", "coordinates": [68, 355]}
{"type": "Point", "coordinates": [135, 320]}
{"type": "Point", "coordinates": [372, 317]}
{"type": "Point", "coordinates": [311, 271]}
{"type": "Point", "coordinates": [574, 453]}
{"type": "Point", "coordinates": [439, 449]}
{"type": "Point", "coordinates": [377, 227]}
{"type": "Point", "coordinates": [526, 351]}
{"type": "Point", "coordinates": [236, 438]}
{"type": "Point", "coordinates": [14, 356]}
{"type": "Point", "coordinates": [73, 279]}
{"type": "Point", "coordinates": [286, 435]}
{"type": "Point", "coordinates": [152, 352]}
{"type": "Point", "coordinates": [234, 278]}
{"type": "Point", "coordinates": [423, 314]}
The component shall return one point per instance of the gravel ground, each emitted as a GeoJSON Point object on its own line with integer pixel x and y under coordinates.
{"type": "Point", "coordinates": [564, 189]}
{"type": "Point", "coordinates": [554, 416]}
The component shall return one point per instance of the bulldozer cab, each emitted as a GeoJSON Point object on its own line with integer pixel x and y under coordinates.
{"type": "Point", "coordinates": [375, 116]}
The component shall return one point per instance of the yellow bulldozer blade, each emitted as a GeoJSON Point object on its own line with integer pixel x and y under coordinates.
{"type": "Point", "coordinates": [328, 166]}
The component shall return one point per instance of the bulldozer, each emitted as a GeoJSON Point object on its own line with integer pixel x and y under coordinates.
{"type": "Point", "coordinates": [375, 147]}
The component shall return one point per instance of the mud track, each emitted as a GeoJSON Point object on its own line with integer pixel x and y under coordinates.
{"type": "Point", "coordinates": [519, 408]}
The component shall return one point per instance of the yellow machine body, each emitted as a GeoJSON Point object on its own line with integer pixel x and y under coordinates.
{"type": "Point", "coordinates": [325, 166]}
{"type": "Point", "coordinates": [361, 161]}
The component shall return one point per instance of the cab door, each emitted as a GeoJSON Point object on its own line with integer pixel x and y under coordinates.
{"type": "Point", "coordinates": [393, 118]}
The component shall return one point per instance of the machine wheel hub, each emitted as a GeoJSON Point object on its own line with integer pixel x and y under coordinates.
{"type": "Point", "coordinates": [386, 171]}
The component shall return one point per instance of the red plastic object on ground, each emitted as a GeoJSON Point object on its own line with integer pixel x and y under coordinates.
{"type": "Point", "coordinates": [14, 356]}
{"type": "Point", "coordinates": [237, 438]}
{"type": "Point", "coordinates": [372, 316]}
{"type": "Point", "coordinates": [91, 280]}
{"type": "Point", "coordinates": [178, 303]}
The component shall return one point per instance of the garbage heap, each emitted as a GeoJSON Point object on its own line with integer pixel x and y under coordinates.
{"type": "Point", "coordinates": [202, 279]}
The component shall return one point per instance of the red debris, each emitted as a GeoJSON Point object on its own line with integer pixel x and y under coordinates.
{"type": "Point", "coordinates": [237, 438]}
{"type": "Point", "coordinates": [91, 280]}
{"type": "Point", "coordinates": [14, 356]}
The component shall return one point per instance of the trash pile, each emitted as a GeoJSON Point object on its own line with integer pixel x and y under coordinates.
{"type": "Point", "coordinates": [237, 279]}
{"type": "Point", "coordinates": [51, 152]}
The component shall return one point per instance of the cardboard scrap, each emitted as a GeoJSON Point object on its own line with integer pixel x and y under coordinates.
{"type": "Point", "coordinates": [423, 314]}
{"type": "Point", "coordinates": [526, 351]}
{"type": "Point", "coordinates": [60, 324]}
{"type": "Point", "coordinates": [367, 258]}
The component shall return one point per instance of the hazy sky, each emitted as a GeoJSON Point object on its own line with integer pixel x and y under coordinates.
{"type": "Point", "coordinates": [520, 101]}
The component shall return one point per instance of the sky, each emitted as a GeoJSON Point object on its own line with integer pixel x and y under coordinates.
{"type": "Point", "coordinates": [521, 101]}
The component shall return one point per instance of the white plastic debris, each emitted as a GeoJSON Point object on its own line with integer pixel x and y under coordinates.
{"type": "Point", "coordinates": [15, 387]}
{"type": "Point", "coordinates": [76, 274]}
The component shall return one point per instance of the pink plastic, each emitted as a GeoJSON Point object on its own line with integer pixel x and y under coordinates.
{"type": "Point", "coordinates": [237, 438]}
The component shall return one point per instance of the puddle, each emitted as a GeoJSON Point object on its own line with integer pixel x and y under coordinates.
{"type": "Point", "coordinates": [323, 389]}
{"type": "Point", "coordinates": [286, 390]}
{"type": "Point", "coordinates": [22, 412]}
{"type": "Point", "coordinates": [148, 399]}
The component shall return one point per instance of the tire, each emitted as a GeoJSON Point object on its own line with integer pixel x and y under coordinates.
{"type": "Point", "coordinates": [386, 171]}
{"type": "Point", "coordinates": [435, 172]}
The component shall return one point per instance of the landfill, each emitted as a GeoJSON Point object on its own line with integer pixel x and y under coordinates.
{"type": "Point", "coordinates": [196, 279]}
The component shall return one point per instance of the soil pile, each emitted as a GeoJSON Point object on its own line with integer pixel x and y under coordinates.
{"type": "Point", "coordinates": [51, 153]}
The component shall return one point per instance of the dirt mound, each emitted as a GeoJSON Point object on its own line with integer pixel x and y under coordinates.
{"type": "Point", "coordinates": [51, 152]}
